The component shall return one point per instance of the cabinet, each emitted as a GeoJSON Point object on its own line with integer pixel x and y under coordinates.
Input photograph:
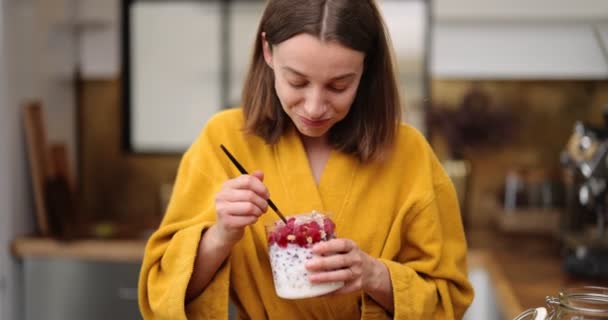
{"type": "Point", "coordinates": [543, 39]}
{"type": "Point", "coordinates": [65, 289]}
{"type": "Point", "coordinates": [518, 10]}
{"type": "Point", "coordinates": [84, 279]}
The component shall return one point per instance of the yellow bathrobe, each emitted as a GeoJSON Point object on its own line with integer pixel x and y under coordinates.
{"type": "Point", "coordinates": [403, 211]}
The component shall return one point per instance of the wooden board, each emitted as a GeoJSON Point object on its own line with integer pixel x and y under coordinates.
{"type": "Point", "coordinates": [102, 250]}
{"type": "Point", "coordinates": [61, 202]}
{"type": "Point", "coordinates": [60, 164]}
{"type": "Point", "coordinates": [38, 157]}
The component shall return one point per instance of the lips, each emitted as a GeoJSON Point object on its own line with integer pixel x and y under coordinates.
{"type": "Point", "coordinates": [314, 123]}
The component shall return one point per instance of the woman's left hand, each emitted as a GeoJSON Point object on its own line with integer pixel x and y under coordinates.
{"type": "Point", "coordinates": [342, 260]}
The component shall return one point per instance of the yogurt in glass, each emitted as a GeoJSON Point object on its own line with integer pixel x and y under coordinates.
{"type": "Point", "coordinates": [290, 246]}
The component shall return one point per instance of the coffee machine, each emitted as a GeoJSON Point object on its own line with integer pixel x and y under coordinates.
{"type": "Point", "coordinates": [583, 225]}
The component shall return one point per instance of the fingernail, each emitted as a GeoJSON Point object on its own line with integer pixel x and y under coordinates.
{"type": "Point", "coordinates": [312, 264]}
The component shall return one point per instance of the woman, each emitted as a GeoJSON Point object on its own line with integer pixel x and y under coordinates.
{"type": "Point", "coordinates": [320, 120]}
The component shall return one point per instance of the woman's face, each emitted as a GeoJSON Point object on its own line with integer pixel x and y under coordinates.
{"type": "Point", "coordinates": [315, 81]}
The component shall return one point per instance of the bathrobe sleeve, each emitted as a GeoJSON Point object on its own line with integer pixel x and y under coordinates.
{"type": "Point", "coordinates": [170, 252]}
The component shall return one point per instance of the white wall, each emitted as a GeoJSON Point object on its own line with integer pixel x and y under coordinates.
{"type": "Point", "coordinates": [537, 10]}
{"type": "Point", "coordinates": [517, 50]}
{"type": "Point", "coordinates": [14, 211]}
{"type": "Point", "coordinates": [19, 80]}
{"type": "Point", "coordinates": [519, 39]}
{"type": "Point", "coordinates": [38, 51]}
{"type": "Point", "coordinates": [3, 170]}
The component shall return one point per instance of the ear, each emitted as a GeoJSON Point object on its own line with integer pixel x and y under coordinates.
{"type": "Point", "coordinates": [267, 50]}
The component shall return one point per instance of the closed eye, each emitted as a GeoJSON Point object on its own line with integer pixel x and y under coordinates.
{"type": "Point", "coordinates": [298, 84]}
{"type": "Point", "coordinates": [338, 87]}
{"type": "Point", "coordinates": [338, 90]}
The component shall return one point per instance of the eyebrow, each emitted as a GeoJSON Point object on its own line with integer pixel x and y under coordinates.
{"type": "Point", "coordinates": [340, 77]}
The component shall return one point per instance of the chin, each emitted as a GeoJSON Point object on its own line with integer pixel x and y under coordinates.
{"type": "Point", "coordinates": [313, 133]}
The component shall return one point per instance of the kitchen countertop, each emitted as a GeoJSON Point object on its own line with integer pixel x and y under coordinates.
{"type": "Point", "coordinates": [531, 265]}
{"type": "Point", "coordinates": [523, 269]}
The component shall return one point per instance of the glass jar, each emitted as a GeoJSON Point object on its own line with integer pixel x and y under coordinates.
{"type": "Point", "coordinates": [290, 247]}
{"type": "Point", "coordinates": [580, 303]}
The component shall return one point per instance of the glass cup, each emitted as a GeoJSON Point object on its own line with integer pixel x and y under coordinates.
{"type": "Point", "coordinates": [588, 303]}
{"type": "Point", "coordinates": [290, 247]}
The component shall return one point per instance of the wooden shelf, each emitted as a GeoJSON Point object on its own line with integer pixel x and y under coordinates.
{"type": "Point", "coordinates": [532, 221]}
{"type": "Point", "coordinates": [103, 250]}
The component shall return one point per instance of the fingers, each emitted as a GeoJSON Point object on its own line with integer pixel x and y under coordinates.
{"type": "Point", "coordinates": [258, 174]}
{"type": "Point", "coordinates": [240, 203]}
{"type": "Point", "coordinates": [347, 275]}
{"type": "Point", "coordinates": [248, 182]}
{"type": "Point", "coordinates": [245, 202]}
{"type": "Point", "coordinates": [335, 262]}
{"type": "Point", "coordinates": [237, 192]}
{"type": "Point", "coordinates": [334, 246]}
{"type": "Point", "coordinates": [239, 208]}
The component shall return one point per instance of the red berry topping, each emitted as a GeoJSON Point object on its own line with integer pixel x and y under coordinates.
{"type": "Point", "coordinates": [303, 231]}
{"type": "Point", "coordinates": [329, 226]}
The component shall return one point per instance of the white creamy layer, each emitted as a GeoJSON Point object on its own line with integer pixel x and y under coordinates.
{"type": "Point", "coordinates": [290, 274]}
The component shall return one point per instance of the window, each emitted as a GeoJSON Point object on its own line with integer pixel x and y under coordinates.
{"type": "Point", "coordinates": [185, 60]}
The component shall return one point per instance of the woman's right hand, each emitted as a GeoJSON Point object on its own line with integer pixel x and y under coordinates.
{"type": "Point", "coordinates": [240, 203]}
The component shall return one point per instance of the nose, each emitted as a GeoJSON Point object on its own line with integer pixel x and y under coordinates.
{"type": "Point", "coordinates": [315, 104]}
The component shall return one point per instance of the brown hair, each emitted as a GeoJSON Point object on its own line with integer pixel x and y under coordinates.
{"type": "Point", "coordinates": [370, 126]}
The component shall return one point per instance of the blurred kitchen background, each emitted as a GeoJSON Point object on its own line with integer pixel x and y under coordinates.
{"type": "Point", "coordinates": [98, 99]}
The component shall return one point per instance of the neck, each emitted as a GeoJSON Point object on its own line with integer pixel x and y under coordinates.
{"type": "Point", "coordinates": [314, 143]}
{"type": "Point", "coordinates": [317, 152]}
